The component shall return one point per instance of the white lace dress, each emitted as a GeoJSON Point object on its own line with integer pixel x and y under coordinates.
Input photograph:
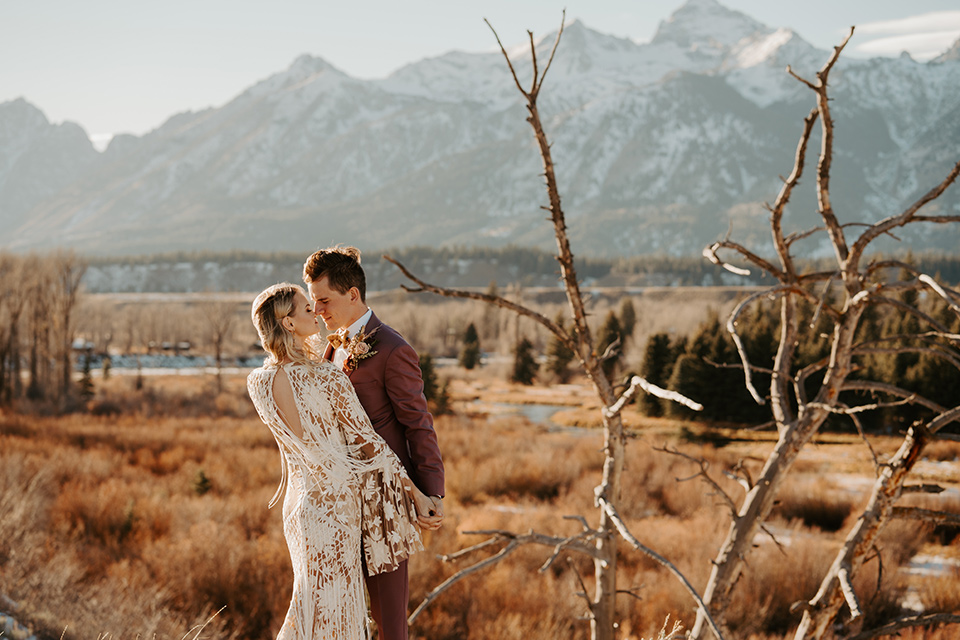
{"type": "Point", "coordinates": [343, 497]}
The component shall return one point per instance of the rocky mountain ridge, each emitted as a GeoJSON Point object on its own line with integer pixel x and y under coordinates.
{"type": "Point", "coordinates": [660, 147]}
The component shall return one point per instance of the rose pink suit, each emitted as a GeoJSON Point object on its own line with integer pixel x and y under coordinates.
{"type": "Point", "coordinates": [390, 388]}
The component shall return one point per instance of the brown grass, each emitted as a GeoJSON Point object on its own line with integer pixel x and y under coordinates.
{"type": "Point", "coordinates": [104, 531]}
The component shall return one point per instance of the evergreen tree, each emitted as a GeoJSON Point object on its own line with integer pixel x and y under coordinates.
{"type": "Point", "coordinates": [470, 352]}
{"type": "Point", "coordinates": [658, 361]}
{"type": "Point", "coordinates": [559, 355]}
{"type": "Point", "coordinates": [524, 365]}
{"type": "Point", "coordinates": [610, 332]}
{"type": "Point", "coordinates": [201, 483]}
{"type": "Point", "coordinates": [628, 318]}
{"type": "Point", "coordinates": [441, 405]}
{"type": "Point", "coordinates": [429, 375]}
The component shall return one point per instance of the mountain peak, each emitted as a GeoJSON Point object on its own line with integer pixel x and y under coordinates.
{"type": "Point", "coordinates": [950, 55]}
{"type": "Point", "coordinates": [700, 21]}
{"type": "Point", "coordinates": [307, 65]}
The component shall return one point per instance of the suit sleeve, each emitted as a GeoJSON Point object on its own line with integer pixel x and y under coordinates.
{"type": "Point", "coordinates": [404, 387]}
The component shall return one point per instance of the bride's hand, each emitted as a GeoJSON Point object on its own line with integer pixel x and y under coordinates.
{"type": "Point", "coordinates": [428, 515]}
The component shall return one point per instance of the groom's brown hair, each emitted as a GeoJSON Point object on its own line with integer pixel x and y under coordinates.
{"type": "Point", "coordinates": [340, 266]}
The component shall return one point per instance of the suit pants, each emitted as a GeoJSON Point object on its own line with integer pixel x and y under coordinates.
{"type": "Point", "coordinates": [389, 596]}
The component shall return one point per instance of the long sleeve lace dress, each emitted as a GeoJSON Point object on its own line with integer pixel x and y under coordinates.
{"type": "Point", "coordinates": [344, 496]}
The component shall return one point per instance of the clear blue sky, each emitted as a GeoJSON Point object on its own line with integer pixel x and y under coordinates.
{"type": "Point", "coordinates": [126, 66]}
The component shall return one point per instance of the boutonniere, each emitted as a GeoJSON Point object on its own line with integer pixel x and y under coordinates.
{"type": "Point", "coordinates": [359, 347]}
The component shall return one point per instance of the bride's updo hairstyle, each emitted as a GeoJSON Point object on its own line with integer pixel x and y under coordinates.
{"type": "Point", "coordinates": [270, 307]}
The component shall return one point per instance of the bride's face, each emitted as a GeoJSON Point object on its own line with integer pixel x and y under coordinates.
{"type": "Point", "coordinates": [301, 322]}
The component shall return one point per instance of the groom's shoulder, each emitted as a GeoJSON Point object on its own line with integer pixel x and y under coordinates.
{"type": "Point", "coordinates": [390, 336]}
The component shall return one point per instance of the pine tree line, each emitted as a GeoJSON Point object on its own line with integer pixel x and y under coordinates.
{"type": "Point", "coordinates": [705, 366]}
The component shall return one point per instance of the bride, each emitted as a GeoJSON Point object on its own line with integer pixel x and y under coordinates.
{"type": "Point", "coordinates": [346, 492]}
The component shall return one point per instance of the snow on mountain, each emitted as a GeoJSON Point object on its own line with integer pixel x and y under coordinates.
{"type": "Point", "coordinates": [659, 147]}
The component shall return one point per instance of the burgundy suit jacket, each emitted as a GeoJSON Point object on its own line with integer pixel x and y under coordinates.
{"type": "Point", "coordinates": [390, 388]}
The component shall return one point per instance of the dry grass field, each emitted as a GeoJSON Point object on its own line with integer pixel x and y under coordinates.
{"type": "Point", "coordinates": [148, 515]}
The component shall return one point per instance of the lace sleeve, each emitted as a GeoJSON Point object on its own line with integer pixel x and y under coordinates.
{"type": "Point", "coordinates": [390, 534]}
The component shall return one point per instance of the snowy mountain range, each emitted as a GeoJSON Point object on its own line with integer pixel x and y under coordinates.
{"type": "Point", "coordinates": [659, 147]}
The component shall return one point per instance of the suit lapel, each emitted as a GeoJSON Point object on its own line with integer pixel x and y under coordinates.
{"type": "Point", "coordinates": [372, 325]}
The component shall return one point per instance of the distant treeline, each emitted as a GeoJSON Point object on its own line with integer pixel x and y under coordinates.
{"type": "Point", "coordinates": [445, 266]}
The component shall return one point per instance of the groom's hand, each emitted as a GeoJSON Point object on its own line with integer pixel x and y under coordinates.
{"type": "Point", "coordinates": [432, 518]}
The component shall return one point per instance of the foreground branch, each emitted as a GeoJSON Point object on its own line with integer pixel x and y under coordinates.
{"type": "Point", "coordinates": [907, 623]}
{"type": "Point", "coordinates": [490, 299]}
{"type": "Point", "coordinates": [636, 382]}
{"type": "Point", "coordinates": [573, 543]}
{"type": "Point", "coordinates": [636, 544]}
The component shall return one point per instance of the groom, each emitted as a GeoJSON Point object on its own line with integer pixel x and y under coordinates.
{"type": "Point", "coordinates": [385, 372]}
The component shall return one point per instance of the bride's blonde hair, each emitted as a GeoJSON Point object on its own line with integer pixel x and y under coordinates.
{"type": "Point", "coordinates": [270, 307]}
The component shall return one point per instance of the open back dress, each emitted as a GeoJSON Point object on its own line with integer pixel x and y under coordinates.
{"type": "Point", "coordinates": [344, 497]}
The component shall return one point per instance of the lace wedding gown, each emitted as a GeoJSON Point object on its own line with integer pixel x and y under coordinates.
{"type": "Point", "coordinates": [344, 497]}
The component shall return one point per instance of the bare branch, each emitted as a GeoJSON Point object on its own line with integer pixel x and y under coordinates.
{"type": "Point", "coordinates": [843, 409]}
{"type": "Point", "coordinates": [834, 230]}
{"type": "Point", "coordinates": [495, 300]}
{"type": "Point", "coordinates": [710, 253]}
{"type": "Point", "coordinates": [923, 488]}
{"type": "Point", "coordinates": [704, 465]}
{"type": "Point", "coordinates": [583, 587]}
{"type": "Point", "coordinates": [563, 21]}
{"type": "Point", "coordinates": [611, 351]}
{"type": "Point", "coordinates": [460, 575]}
{"type": "Point", "coordinates": [930, 351]}
{"type": "Point", "coordinates": [741, 350]}
{"type": "Point", "coordinates": [636, 544]}
{"type": "Point", "coordinates": [861, 385]}
{"type": "Point", "coordinates": [938, 219]}
{"type": "Point", "coordinates": [909, 214]}
{"type": "Point", "coordinates": [920, 315]}
{"type": "Point", "coordinates": [926, 515]}
{"type": "Point", "coordinates": [863, 436]}
{"type": "Point", "coordinates": [776, 217]}
{"type": "Point", "coordinates": [507, 57]}
{"type": "Point", "coordinates": [941, 291]}
{"type": "Point", "coordinates": [638, 382]}
{"type": "Point", "coordinates": [514, 541]}
{"type": "Point", "coordinates": [796, 236]}
{"type": "Point", "coordinates": [533, 59]}
{"type": "Point", "coordinates": [804, 81]}
{"type": "Point", "coordinates": [924, 620]}
{"type": "Point", "coordinates": [853, 603]}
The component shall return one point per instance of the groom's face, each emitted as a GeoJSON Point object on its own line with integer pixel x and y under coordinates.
{"type": "Point", "coordinates": [334, 308]}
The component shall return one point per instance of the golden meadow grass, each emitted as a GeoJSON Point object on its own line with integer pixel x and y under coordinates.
{"type": "Point", "coordinates": [150, 517]}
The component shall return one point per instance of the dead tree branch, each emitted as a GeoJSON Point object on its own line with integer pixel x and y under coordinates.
{"type": "Point", "coordinates": [514, 541]}
{"type": "Point", "coordinates": [891, 629]}
{"type": "Point", "coordinates": [636, 544]}
{"type": "Point", "coordinates": [636, 382]}
{"type": "Point", "coordinates": [499, 301]}
{"type": "Point", "coordinates": [926, 515]}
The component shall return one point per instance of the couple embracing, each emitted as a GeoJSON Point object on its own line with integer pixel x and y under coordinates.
{"type": "Point", "coordinates": [361, 467]}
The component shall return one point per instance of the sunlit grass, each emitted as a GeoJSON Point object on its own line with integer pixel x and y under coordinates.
{"type": "Point", "coordinates": [106, 531]}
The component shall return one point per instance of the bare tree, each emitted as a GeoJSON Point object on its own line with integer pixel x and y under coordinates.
{"type": "Point", "coordinates": [798, 405]}
{"type": "Point", "coordinates": [599, 543]}
{"type": "Point", "coordinates": [12, 303]}
{"type": "Point", "coordinates": [218, 317]}
{"type": "Point", "coordinates": [68, 270]}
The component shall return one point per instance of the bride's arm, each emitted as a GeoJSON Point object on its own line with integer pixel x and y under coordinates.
{"type": "Point", "coordinates": [366, 444]}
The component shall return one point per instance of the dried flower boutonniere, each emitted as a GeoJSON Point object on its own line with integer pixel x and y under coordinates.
{"type": "Point", "coordinates": [359, 347]}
